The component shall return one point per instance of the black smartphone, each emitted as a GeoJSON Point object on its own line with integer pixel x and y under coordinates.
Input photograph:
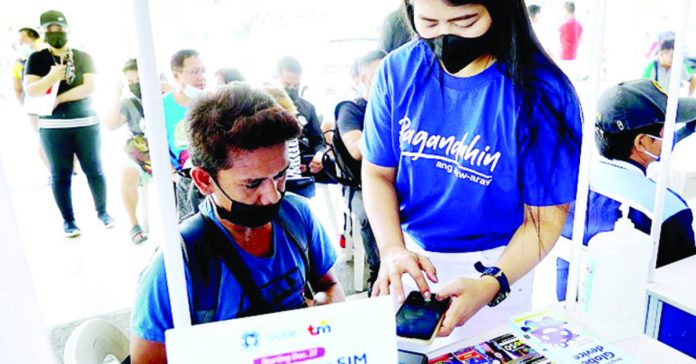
{"type": "Point", "coordinates": [419, 319]}
{"type": "Point", "coordinates": [409, 357]}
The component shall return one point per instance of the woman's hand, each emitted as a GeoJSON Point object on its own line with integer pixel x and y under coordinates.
{"type": "Point", "coordinates": [397, 260]}
{"type": "Point", "coordinates": [57, 73]}
{"type": "Point", "coordinates": [468, 297]}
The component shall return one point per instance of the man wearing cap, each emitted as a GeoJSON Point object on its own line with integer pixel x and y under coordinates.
{"type": "Point", "coordinates": [628, 133]}
{"type": "Point", "coordinates": [72, 129]}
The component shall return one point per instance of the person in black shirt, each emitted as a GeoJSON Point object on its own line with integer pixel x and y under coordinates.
{"type": "Point", "coordinates": [395, 32]}
{"type": "Point", "coordinates": [72, 129]}
{"type": "Point", "coordinates": [350, 121]}
{"type": "Point", "coordinates": [312, 146]}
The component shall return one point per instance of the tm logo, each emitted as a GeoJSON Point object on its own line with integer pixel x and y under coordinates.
{"type": "Point", "coordinates": [250, 340]}
{"type": "Point", "coordinates": [323, 328]}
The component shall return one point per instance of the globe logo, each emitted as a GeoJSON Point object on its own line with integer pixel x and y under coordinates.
{"type": "Point", "coordinates": [250, 340]}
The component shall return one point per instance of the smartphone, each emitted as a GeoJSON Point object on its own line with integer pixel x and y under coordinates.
{"type": "Point", "coordinates": [419, 319]}
{"type": "Point", "coordinates": [409, 357]}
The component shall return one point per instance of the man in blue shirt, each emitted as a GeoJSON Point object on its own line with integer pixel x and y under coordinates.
{"type": "Point", "coordinates": [628, 133]}
{"type": "Point", "coordinates": [245, 239]}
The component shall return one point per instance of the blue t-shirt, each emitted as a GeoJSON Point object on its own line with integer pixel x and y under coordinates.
{"type": "Point", "coordinates": [174, 116]}
{"type": "Point", "coordinates": [466, 159]}
{"type": "Point", "coordinates": [280, 277]}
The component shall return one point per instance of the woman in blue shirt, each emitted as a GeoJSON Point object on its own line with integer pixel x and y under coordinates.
{"type": "Point", "coordinates": [471, 147]}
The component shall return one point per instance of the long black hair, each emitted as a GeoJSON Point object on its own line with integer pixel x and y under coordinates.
{"type": "Point", "coordinates": [521, 57]}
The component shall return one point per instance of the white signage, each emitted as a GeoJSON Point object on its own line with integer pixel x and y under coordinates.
{"type": "Point", "coordinates": [355, 332]}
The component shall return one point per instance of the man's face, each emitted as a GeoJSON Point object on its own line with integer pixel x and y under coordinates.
{"type": "Point", "coordinates": [368, 75]}
{"type": "Point", "coordinates": [25, 40]}
{"type": "Point", "coordinates": [192, 73]}
{"type": "Point", "coordinates": [132, 77]}
{"type": "Point", "coordinates": [255, 178]}
{"type": "Point", "coordinates": [290, 79]}
{"type": "Point", "coordinates": [665, 57]}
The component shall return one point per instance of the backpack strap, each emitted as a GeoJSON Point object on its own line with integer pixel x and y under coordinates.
{"type": "Point", "coordinates": [203, 269]}
{"type": "Point", "coordinates": [288, 216]}
{"type": "Point", "coordinates": [205, 245]}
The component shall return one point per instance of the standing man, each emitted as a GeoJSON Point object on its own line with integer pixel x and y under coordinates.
{"type": "Point", "coordinates": [312, 146]}
{"type": "Point", "coordinates": [350, 122]}
{"type": "Point", "coordinates": [661, 68]}
{"type": "Point", "coordinates": [137, 169]}
{"type": "Point", "coordinates": [72, 129]}
{"type": "Point", "coordinates": [570, 36]}
{"type": "Point", "coordinates": [189, 74]}
{"type": "Point", "coordinates": [29, 42]}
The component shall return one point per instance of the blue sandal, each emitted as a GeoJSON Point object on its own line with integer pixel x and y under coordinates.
{"type": "Point", "coordinates": [137, 234]}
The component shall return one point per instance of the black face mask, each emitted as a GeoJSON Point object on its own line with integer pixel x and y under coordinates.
{"type": "Point", "coordinates": [294, 93]}
{"type": "Point", "coordinates": [135, 89]}
{"type": "Point", "coordinates": [457, 52]}
{"type": "Point", "coordinates": [251, 216]}
{"type": "Point", "coordinates": [56, 40]}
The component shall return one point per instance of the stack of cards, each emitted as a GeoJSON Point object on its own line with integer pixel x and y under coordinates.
{"type": "Point", "coordinates": [503, 349]}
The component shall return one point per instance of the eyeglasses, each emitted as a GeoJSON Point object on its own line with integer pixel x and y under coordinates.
{"type": "Point", "coordinates": [656, 138]}
{"type": "Point", "coordinates": [194, 72]}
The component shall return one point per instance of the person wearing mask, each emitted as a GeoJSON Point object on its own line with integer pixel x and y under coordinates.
{"type": "Point", "coordinates": [350, 122]}
{"type": "Point", "coordinates": [29, 42]}
{"type": "Point", "coordinates": [470, 159]}
{"type": "Point", "coordinates": [137, 169]}
{"type": "Point", "coordinates": [189, 74]}
{"type": "Point", "coordinates": [312, 146]}
{"type": "Point", "coordinates": [72, 129]}
{"type": "Point", "coordinates": [266, 247]}
{"type": "Point", "coordinates": [628, 133]}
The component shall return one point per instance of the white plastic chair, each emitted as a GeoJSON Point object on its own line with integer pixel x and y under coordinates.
{"type": "Point", "coordinates": [93, 341]}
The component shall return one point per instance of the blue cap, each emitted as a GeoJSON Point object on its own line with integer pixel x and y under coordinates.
{"type": "Point", "coordinates": [635, 104]}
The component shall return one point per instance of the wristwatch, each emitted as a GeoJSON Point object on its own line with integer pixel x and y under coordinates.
{"type": "Point", "coordinates": [498, 274]}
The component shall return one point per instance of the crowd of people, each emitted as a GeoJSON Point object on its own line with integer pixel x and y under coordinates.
{"type": "Point", "coordinates": [459, 156]}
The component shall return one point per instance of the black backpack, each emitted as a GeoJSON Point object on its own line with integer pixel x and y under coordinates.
{"type": "Point", "coordinates": [348, 166]}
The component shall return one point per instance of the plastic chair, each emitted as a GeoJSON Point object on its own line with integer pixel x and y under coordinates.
{"type": "Point", "coordinates": [93, 341]}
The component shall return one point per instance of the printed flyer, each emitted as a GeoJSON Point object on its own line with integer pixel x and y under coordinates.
{"type": "Point", "coordinates": [551, 334]}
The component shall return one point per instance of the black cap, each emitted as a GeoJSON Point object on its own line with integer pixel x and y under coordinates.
{"type": "Point", "coordinates": [635, 104]}
{"type": "Point", "coordinates": [53, 17]}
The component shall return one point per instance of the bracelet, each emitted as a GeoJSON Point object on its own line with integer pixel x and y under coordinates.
{"type": "Point", "coordinates": [498, 274]}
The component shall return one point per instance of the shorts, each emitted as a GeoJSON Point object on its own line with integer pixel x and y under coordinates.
{"type": "Point", "coordinates": [144, 176]}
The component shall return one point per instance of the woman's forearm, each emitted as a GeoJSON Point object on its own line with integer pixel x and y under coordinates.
{"type": "Point", "coordinates": [381, 204]}
{"type": "Point", "coordinates": [533, 240]}
{"type": "Point", "coordinates": [36, 86]}
{"type": "Point", "coordinates": [77, 93]}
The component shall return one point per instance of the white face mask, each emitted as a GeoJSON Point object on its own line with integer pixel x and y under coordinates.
{"type": "Point", "coordinates": [25, 50]}
{"type": "Point", "coordinates": [192, 92]}
{"type": "Point", "coordinates": [656, 157]}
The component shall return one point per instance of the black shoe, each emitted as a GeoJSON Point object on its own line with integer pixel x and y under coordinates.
{"type": "Point", "coordinates": [70, 229]}
{"type": "Point", "coordinates": [107, 220]}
